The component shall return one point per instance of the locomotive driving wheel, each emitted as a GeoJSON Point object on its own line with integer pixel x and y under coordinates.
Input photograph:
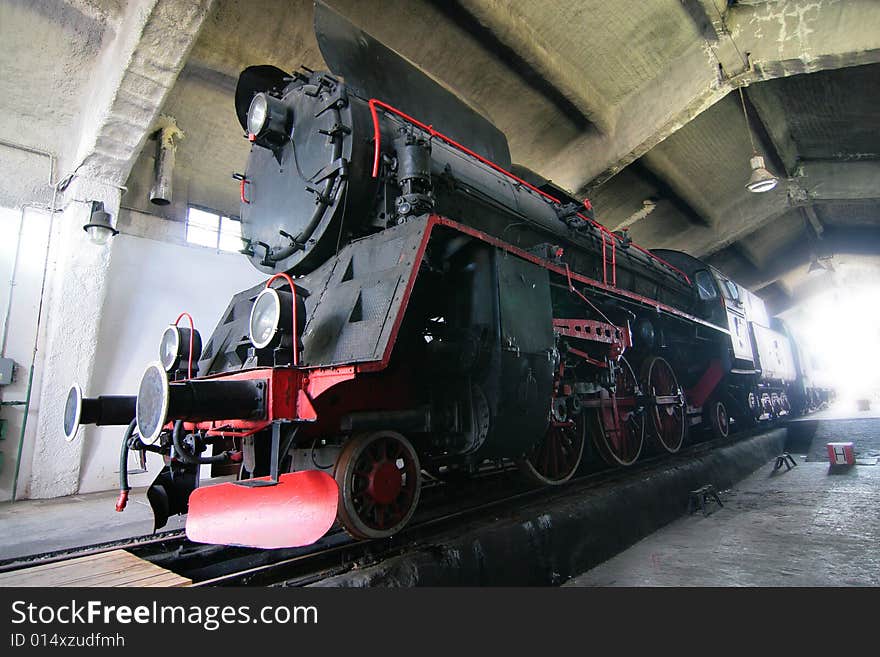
{"type": "Point", "coordinates": [555, 458]}
{"type": "Point", "coordinates": [668, 418]}
{"type": "Point", "coordinates": [379, 481]}
{"type": "Point", "coordinates": [619, 419]}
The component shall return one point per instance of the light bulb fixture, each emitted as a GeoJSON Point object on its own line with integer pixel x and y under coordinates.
{"type": "Point", "coordinates": [820, 265]}
{"type": "Point", "coordinates": [99, 227]}
{"type": "Point", "coordinates": [761, 179]}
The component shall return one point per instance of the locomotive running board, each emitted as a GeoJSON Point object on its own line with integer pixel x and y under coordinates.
{"type": "Point", "coordinates": [296, 511]}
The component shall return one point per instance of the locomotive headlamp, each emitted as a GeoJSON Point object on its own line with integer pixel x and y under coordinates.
{"type": "Point", "coordinates": [257, 114]}
{"type": "Point", "coordinates": [72, 412]}
{"type": "Point", "coordinates": [174, 347]}
{"type": "Point", "coordinates": [270, 317]}
{"type": "Point", "coordinates": [271, 322]}
{"type": "Point", "coordinates": [103, 410]}
{"type": "Point", "coordinates": [267, 120]}
{"type": "Point", "coordinates": [151, 408]}
{"type": "Point", "coordinates": [160, 401]}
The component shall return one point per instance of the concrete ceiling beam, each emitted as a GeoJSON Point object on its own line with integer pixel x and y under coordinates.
{"type": "Point", "coordinates": [778, 38]}
{"type": "Point", "coordinates": [690, 85]}
{"type": "Point", "coordinates": [835, 180]}
{"type": "Point", "coordinates": [805, 36]}
{"type": "Point", "coordinates": [811, 220]}
{"type": "Point", "coordinates": [738, 220]}
{"type": "Point", "coordinates": [743, 252]}
{"type": "Point", "coordinates": [777, 297]}
{"type": "Point", "coordinates": [768, 109]}
{"type": "Point", "coordinates": [96, 10]}
{"type": "Point", "coordinates": [837, 240]}
{"type": "Point", "coordinates": [668, 190]}
{"type": "Point", "coordinates": [131, 80]}
{"type": "Point", "coordinates": [517, 34]}
{"type": "Point", "coordinates": [816, 181]}
{"type": "Point", "coordinates": [706, 18]}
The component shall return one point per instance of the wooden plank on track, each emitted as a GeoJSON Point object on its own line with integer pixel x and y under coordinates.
{"type": "Point", "coordinates": [115, 568]}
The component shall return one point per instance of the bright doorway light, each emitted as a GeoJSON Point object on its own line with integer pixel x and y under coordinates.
{"type": "Point", "coordinates": [839, 335]}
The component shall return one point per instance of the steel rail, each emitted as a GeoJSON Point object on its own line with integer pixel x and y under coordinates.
{"type": "Point", "coordinates": [297, 569]}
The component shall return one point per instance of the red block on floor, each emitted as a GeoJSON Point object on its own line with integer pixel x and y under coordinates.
{"type": "Point", "coordinates": [841, 453]}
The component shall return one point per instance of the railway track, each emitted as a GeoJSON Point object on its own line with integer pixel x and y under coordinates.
{"type": "Point", "coordinates": [158, 542]}
{"type": "Point", "coordinates": [442, 507]}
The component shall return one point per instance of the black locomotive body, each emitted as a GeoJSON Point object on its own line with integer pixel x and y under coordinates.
{"type": "Point", "coordinates": [428, 311]}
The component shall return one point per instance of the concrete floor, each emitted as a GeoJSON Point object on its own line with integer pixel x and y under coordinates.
{"type": "Point", "coordinates": [803, 527]}
{"type": "Point", "coordinates": [34, 526]}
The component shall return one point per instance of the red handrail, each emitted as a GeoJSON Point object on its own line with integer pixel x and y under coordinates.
{"type": "Point", "coordinates": [192, 331]}
{"type": "Point", "coordinates": [289, 280]}
{"type": "Point", "coordinates": [377, 148]}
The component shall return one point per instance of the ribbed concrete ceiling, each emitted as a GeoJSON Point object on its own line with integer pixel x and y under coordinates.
{"type": "Point", "coordinates": [584, 88]}
{"type": "Point", "coordinates": [634, 102]}
{"type": "Point", "coordinates": [833, 114]}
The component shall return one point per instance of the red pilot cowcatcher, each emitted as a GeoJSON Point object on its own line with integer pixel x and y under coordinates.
{"type": "Point", "coordinates": [296, 511]}
{"type": "Point", "coordinates": [287, 510]}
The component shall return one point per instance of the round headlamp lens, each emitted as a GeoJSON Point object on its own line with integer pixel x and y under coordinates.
{"type": "Point", "coordinates": [257, 114]}
{"type": "Point", "coordinates": [72, 412]}
{"type": "Point", "coordinates": [264, 318]}
{"type": "Point", "coordinates": [152, 402]}
{"type": "Point", "coordinates": [169, 348]}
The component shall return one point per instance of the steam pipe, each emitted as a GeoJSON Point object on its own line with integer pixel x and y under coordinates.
{"type": "Point", "coordinates": [163, 172]}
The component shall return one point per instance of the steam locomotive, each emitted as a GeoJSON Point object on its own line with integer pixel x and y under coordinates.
{"type": "Point", "coordinates": [429, 308]}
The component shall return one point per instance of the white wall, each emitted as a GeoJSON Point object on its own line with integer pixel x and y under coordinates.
{"type": "Point", "coordinates": [150, 283]}
{"type": "Point", "coordinates": [27, 276]}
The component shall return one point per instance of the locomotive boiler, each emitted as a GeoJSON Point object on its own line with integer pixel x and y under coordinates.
{"type": "Point", "coordinates": [429, 307]}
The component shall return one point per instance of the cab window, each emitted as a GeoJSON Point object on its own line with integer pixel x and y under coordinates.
{"type": "Point", "coordinates": [728, 288]}
{"type": "Point", "coordinates": [705, 285]}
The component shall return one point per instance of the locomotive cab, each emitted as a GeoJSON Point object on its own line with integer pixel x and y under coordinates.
{"type": "Point", "coordinates": [737, 322]}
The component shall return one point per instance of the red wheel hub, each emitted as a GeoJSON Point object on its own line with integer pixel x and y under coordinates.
{"type": "Point", "coordinates": [385, 482]}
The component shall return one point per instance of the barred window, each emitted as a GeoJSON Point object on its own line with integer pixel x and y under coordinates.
{"type": "Point", "coordinates": [213, 230]}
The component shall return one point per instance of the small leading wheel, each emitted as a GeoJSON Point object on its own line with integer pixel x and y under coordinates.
{"type": "Point", "coordinates": [717, 416]}
{"type": "Point", "coordinates": [620, 419]}
{"type": "Point", "coordinates": [379, 480]}
{"type": "Point", "coordinates": [750, 410]}
{"type": "Point", "coordinates": [555, 458]}
{"type": "Point", "coordinates": [667, 413]}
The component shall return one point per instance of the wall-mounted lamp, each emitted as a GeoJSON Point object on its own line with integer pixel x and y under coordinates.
{"type": "Point", "coordinates": [99, 227]}
{"type": "Point", "coordinates": [761, 179]}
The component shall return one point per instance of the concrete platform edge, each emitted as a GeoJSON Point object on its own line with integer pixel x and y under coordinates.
{"type": "Point", "coordinates": [546, 545]}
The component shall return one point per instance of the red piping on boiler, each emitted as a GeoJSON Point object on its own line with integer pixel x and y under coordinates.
{"type": "Point", "coordinates": [377, 147]}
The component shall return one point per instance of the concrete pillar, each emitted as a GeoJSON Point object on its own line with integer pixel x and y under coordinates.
{"type": "Point", "coordinates": [75, 292]}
